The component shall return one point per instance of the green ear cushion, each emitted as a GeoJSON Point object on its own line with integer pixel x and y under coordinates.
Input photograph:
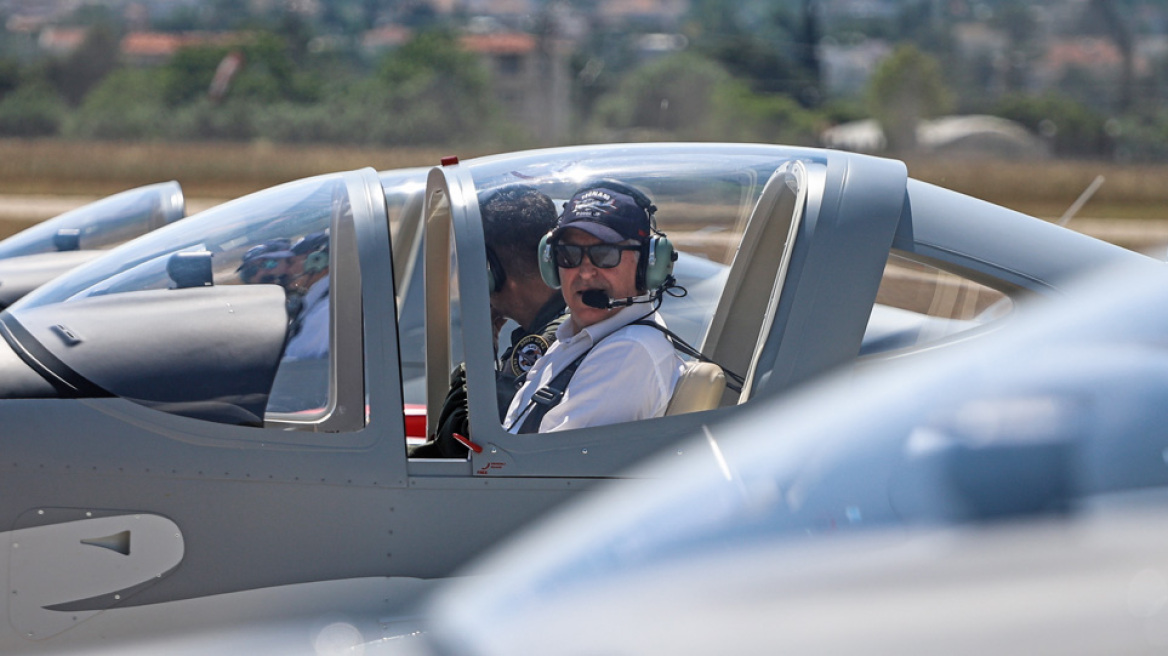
{"type": "Point", "coordinates": [660, 264]}
{"type": "Point", "coordinates": [547, 266]}
{"type": "Point", "coordinates": [316, 262]}
{"type": "Point", "coordinates": [496, 275]}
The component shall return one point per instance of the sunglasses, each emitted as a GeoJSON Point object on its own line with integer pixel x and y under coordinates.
{"type": "Point", "coordinates": [603, 256]}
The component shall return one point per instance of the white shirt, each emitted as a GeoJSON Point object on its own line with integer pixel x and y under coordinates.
{"type": "Point", "coordinates": [629, 375]}
{"type": "Point", "coordinates": [311, 340]}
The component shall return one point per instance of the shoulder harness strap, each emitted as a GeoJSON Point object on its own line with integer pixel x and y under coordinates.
{"type": "Point", "coordinates": [550, 395]}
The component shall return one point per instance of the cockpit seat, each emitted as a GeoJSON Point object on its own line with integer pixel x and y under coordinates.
{"type": "Point", "coordinates": [700, 387]}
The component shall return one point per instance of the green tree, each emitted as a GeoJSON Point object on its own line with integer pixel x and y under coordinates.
{"type": "Point", "coordinates": [128, 104]}
{"type": "Point", "coordinates": [768, 52]}
{"type": "Point", "coordinates": [32, 110]}
{"type": "Point", "coordinates": [1017, 20]}
{"type": "Point", "coordinates": [230, 120]}
{"type": "Point", "coordinates": [225, 14]}
{"type": "Point", "coordinates": [688, 96]}
{"type": "Point", "coordinates": [11, 76]}
{"type": "Point", "coordinates": [1072, 128]}
{"type": "Point", "coordinates": [95, 58]}
{"type": "Point", "coordinates": [743, 115]}
{"type": "Point", "coordinates": [435, 91]}
{"type": "Point", "coordinates": [269, 73]}
{"type": "Point", "coordinates": [672, 97]}
{"type": "Point", "coordinates": [188, 74]}
{"type": "Point", "coordinates": [906, 88]}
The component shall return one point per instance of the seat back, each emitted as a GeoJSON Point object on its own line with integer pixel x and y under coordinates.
{"type": "Point", "coordinates": [700, 387]}
{"type": "Point", "coordinates": [744, 314]}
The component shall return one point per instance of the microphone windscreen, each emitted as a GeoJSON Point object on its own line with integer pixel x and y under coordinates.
{"type": "Point", "coordinates": [595, 298]}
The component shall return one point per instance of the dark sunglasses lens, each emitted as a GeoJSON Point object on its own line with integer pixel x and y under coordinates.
{"type": "Point", "coordinates": [568, 256]}
{"type": "Point", "coordinates": [605, 256]}
{"type": "Point", "coordinates": [269, 264]}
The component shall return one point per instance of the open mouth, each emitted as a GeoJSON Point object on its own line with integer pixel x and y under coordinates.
{"type": "Point", "coordinates": [592, 291]}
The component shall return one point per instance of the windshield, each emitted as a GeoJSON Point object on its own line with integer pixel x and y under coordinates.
{"type": "Point", "coordinates": [101, 224]}
{"type": "Point", "coordinates": [703, 199]}
{"type": "Point", "coordinates": [225, 317]}
{"type": "Point", "coordinates": [270, 221]}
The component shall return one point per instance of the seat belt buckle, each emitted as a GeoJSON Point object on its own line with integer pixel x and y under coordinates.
{"type": "Point", "coordinates": [547, 396]}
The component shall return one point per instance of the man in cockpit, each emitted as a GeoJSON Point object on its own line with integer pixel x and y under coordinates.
{"type": "Point", "coordinates": [611, 361]}
{"type": "Point", "coordinates": [515, 218]}
{"type": "Point", "coordinates": [308, 280]}
{"type": "Point", "coordinates": [266, 263]}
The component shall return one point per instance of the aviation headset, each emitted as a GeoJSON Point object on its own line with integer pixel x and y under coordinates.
{"type": "Point", "coordinates": [316, 262]}
{"type": "Point", "coordinates": [496, 275]}
{"type": "Point", "coordinates": [655, 265]}
{"type": "Point", "coordinates": [316, 246]}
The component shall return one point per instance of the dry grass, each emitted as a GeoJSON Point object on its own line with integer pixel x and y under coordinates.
{"type": "Point", "coordinates": [228, 170]}
{"type": "Point", "coordinates": [212, 170]}
{"type": "Point", "coordinates": [1049, 188]}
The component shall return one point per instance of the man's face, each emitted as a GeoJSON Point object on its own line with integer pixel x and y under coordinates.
{"type": "Point", "coordinates": [618, 282]}
{"type": "Point", "coordinates": [270, 271]}
{"type": "Point", "coordinates": [296, 278]}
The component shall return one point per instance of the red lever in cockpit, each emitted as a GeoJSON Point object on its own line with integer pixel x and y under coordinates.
{"type": "Point", "coordinates": [467, 443]}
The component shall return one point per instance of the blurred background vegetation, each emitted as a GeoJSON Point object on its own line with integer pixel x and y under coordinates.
{"type": "Point", "coordinates": [1088, 77]}
{"type": "Point", "coordinates": [229, 96]}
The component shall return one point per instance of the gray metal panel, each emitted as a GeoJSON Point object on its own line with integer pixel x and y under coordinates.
{"type": "Point", "coordinates": [201, 351]}
{"type": "Point", "coordinates": [20, 275]}
{"type": "Point", "coordinates": [383, 389]}
{"type": "Point", "coordinates": [966, 232]}
{"type": "Point", "coordinates": [835, 270]}
{"type": "Point", "coordinates": [256, 507]}
{"type": "Point", "coordinates": [436, 283]}
{"type": "Point", "coordinates": [474, 297]}
{"type": "Point", "coordinates": [18, 380]}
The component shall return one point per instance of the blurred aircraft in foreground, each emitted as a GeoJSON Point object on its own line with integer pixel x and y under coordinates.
{"type": "Point", "coordinates": [1006, 496]}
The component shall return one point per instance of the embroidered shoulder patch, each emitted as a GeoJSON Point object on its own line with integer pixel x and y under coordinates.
{"type": "Point", "coordinates": [526, 352]}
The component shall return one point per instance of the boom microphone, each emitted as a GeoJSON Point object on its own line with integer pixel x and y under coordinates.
{"type": "Point", "coordinates": [597, 298]}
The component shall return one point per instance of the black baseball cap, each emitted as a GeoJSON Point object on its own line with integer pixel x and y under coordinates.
{"type": "Point", "coordinates": [606, 213]}
{"type": "Point", "coordinates": [317, 241]}
{"type": "Point", "coordinates": [272, 249]}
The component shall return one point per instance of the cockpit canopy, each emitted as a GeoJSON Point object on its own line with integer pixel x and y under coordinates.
{"type": "Point", "coordinates": [194, 317]}
{"type": "Point", "coordinates": [48, 249]}
{"type": "Point", "coordinates": [276, 310]}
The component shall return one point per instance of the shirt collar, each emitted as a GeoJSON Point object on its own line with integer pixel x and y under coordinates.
{"type": "Point", "coordinates": [567, 332]}
{"type": "Point", "coordinates": [317, 290]}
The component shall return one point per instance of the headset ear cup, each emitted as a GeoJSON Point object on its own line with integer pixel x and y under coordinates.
{"type": "Point", "coordinates": [547, 266]}
{"type": "Point", "coordinates": [496, 275]}
{"type": "Point", "coordinates": [660, 264]}
{"type": "Point", "coordinates": [316, 262]}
